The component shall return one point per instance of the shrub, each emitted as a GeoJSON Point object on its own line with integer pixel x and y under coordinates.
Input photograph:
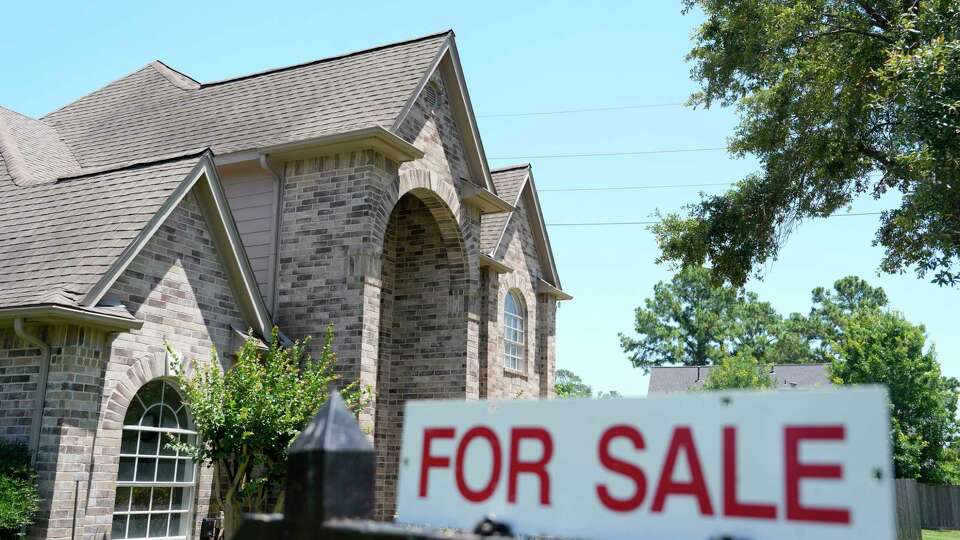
{"type": "Point", "coordinates": [19, 495]}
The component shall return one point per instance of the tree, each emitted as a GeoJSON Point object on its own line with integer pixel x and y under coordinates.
{"type": "Point", "coordinates": [838, 99]}
{"type": "Point", "coordinates": [695, 322]}
{"type": "Point", "coordinates": [19, 494]}
{"type": "Point", "coordinates": [568, 384]}
{"type": "Point", "coordinates": [740, 371]}
{"type": "Point", "coordinates": [248, 416]}
{"type": "Point", "coordinates": [881, 347]}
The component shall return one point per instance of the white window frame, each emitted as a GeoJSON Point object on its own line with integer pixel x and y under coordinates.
{"type": "Point", "coordinates": [514, 333]}
{"type": "Point", "coordinates": [158, 455]}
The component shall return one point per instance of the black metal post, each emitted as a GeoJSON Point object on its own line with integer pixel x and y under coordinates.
{"type": "Point", "coordinates": [330, 471]}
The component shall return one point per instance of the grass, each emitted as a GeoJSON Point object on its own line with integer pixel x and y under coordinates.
{"type": "Point", "coordinates": [941, 535]}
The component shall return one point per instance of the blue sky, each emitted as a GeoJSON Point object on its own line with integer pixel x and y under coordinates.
{"type": "Point", "coordinates": [518, 57]}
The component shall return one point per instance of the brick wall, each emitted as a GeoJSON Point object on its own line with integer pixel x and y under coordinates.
{"type": "Point", "coordinates": [19, 380]}
{"type": "Point", "coordinates": [518, 251]}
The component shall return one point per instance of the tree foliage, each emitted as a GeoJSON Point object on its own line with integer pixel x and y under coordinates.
{"type": "Point", "coordinates": [247, 417]}
{"type": "Point", "coordinates": [881, 347]}
{"type": "Point", "coordinates": [567, 384]}
{"type": "Point", "coordinates": [740, 371]}
{"type": "Point", "coordinates": [19, 494]}
{"type": "Point", "coordinates": [692, 321]}
{"type": "Point", "coordinates": [838, 99]}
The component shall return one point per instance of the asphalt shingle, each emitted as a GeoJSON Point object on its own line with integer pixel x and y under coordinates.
{"type": "Point", "coordinates": [507, 181]}
{"type": "Point", "coordinates": [155, 111]}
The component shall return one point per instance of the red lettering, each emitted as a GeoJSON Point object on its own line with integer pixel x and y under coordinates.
{"type": "Point", "coordinates": [796, 471]}
{"type": "Point", "coordinates": [484, 493]}
{"type": "Point", "coordinates": [538, 467]}
{"type": "Point", "coordinates": [682, 440]}
{"type": "Point", "coordinates": [622, 467]}
{"type": "Point", "coordinates": [731, 506]}
{"type": "Point", "coordinates": [429, 460]}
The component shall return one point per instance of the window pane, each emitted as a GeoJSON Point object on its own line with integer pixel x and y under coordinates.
{"type": "Point", "coordinates": [119, 527]}
{"type": "Point", "coordinates": [152, 392]}
{"type": "Point", "coordinates": [158, 525]}
{"type": "Point", "coordinates": [138, 526]}
{"type": "Point", "coordinates": [129, 443]}
{"type": "Point", "coordinates": [185, 471]}
{"type": "Point", "coordinates": [161, 498]}
{"type": "Point", "coordinates": [148, 443]}
{"type": "Point", "coordinates": [126, 469]}
{"type": "Point", "coordinates": [145, 469]}
{"type": "Point", "coordinates": [177, 525]}
{"type": "Point", "coordinates": [122, 502]}
{"type": "Point", "coordinates": [140, 499]}
{"type": "Point", "coordinates": [165, 449]}
{"type": "Point", "coordinates": [169, 419]}
{"type": "Point", "coordinates": [182, 415]}
{"type": "Point", "coordinates": [165, 470]}
{"type": "Point", "coordinates": [134, 411]}
{"type": "Point", "coordinates": [152, 417]}
{"type": "Point", "coordinates": [179, 499]}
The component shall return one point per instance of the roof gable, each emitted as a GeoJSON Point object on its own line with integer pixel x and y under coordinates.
{"type": "Point", "coordinates": [66, 242]}
{"type": "Point", "coordinates": [157, 111]}
{"type": "Point", "coordinates": [516, 185]}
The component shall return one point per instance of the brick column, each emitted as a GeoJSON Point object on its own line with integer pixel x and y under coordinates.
{"type": "Point", "coordinates": [546, 340]}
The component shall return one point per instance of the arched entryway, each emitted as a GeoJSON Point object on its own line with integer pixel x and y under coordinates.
{"type": "Point", "coordinates": [423, 322]}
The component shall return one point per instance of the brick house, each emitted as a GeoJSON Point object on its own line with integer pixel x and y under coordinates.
{"type": "Point", "coordinates": [352, 190]}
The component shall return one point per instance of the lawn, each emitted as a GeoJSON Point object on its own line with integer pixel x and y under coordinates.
{"type": "Point", "coordinates": [941, 535]}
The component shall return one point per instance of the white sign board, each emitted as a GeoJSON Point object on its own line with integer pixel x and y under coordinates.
{"type": "Point", "coordinates": [751, 465]}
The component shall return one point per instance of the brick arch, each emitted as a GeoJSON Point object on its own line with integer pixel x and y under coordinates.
{"type": "Point", "coordinates": [107, 454]}
{"type": "Point", "coordinates": [425, 296]}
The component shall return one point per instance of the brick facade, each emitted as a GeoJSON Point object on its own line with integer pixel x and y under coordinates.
{"type": "Point", "coordinates": [386, 253]}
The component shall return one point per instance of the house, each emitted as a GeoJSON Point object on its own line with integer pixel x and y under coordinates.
{"type": "Point", "coordinates": [680, 379]}
{"type": "Point", "coordinates": [351, 191]}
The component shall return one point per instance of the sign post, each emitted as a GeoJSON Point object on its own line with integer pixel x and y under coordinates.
{"type": "Point", "coordinates": [750, 465]}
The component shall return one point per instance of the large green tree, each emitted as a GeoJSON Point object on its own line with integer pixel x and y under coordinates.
{"type": "Point", "coordinates": [837, 99]}
{"type": "Point", "coordinates": [692, 321]}
{"type": "Point", "coordinates": [881, 347]}
{"type": "Point", "coordinates": [247, 416]}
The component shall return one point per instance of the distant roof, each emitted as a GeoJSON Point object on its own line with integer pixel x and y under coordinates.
{"type": "Point", "coordinates": [157, 111]}
{"type": "Point", "coordinates": [679, 379]}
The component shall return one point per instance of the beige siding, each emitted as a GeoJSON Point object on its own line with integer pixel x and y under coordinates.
{"type": "Point", "coordinates": [252, 196]}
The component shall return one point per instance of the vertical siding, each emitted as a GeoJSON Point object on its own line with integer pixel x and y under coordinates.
{"type": "Point", "coordinates": [251, 193]}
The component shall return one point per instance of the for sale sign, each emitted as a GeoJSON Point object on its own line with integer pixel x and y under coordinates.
{"type": "Point", "coordinates": [753, 465]}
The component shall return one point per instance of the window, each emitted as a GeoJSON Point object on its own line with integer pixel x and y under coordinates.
{"type": "Point", "coordinates": [154, 483]}
{"type": "Point", "coordinates": [514, 324]}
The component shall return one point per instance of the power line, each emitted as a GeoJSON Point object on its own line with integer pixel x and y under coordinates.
{"type": "Point", "coordinates": [584, 110]}
{"type": "Point", "coordinates": [622, 188]}
{"type": "Point", "coordinates": [603, 223]}
{"type": "Point", "coordinates": [606, 154]}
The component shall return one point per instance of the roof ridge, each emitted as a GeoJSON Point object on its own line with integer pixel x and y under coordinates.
{"type": "Point", "coordinates": [156, 160]}
{"type": "Point", "coordinates": [177, 78]}
{"type": "Point", "coordinates": [511, 167]}
{"type": "Point", "coordinates": [88, 94]}
{"type": "Point", "coordinates": [326, 59]}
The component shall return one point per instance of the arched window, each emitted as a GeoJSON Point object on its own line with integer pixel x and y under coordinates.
{"type": "Point", "coordinates": [155, 483]}
{"type": "Point", "coordinates": [514, 332]}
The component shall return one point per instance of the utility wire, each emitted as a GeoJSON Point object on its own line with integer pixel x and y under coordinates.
{"type": "Point", "coordinates": [622, 188]}
{"type": "Point", "coordinates": [585, 110]}
{"type": "Point", "coordinates": [602, 223]}
{"type": "Point", "coordinates": [603, 154]}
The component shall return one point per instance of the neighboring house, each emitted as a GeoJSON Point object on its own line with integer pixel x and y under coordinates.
{"type": "Point", "coordinates": [680, 379]}
{"type": "Point", "coordinates": [351, 191]}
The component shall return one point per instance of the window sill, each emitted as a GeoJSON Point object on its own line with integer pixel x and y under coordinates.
{"type": "Point", "coordinates": [510, 372]}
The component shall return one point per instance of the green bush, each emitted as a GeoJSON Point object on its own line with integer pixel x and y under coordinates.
{"type": "Point", "coordinates": [19, 496]}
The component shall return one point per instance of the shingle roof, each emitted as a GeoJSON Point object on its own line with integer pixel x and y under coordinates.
{"type": "Point", "coordinates": [157, 111]}
{"type": "Point", "coordinates": [679, 379]}
{"type": "Point", "coordinates": [59, 237]}
{"type": "Point", "coordinates": [508, 181]}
